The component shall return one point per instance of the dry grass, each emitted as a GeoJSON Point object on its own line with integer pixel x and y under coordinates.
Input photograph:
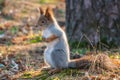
{"type": "Point", "coordinates": [92, 67]}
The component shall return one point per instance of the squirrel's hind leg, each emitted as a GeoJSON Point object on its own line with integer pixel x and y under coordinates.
{"type": "Point", "coordinates": [59, 59]}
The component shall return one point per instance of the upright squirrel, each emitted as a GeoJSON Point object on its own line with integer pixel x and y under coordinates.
{"type": "Point", "coordinates": [57, 53]}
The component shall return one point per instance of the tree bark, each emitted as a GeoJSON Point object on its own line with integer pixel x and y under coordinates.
{"type": "Point", "coordinates": [98, 20]}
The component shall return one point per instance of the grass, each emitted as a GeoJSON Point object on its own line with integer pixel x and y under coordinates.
{"type": "Point", "coordinates": [2, 32]}
{"type": "Point", "coordinates": [14, 30]}
{"type": "Point", "coordinates": [114, 56]}
{"type": "Point", "coordinates": [47, 1]}
{"type": "Point", "coordinates": [82, 51]}
{"type": "Point", "coordinates": [72, 74]}
{"type": "Point", "coordinates": [58, 76]}
{"type": "Point", "coordinates": [35, 39]}
{"type": "Point", "coordinates": [7, 17]}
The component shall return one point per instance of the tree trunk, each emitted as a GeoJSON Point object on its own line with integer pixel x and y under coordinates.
{"type": "Point", "coordinates": [98, 20]}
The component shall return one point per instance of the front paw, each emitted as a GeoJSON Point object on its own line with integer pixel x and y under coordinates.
{"type": "Point", "coordinates": [46, 39]}
{"type": "Point", "coordinates": [43, 39]}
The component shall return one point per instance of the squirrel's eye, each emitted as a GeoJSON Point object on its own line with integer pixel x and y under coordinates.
{"type": "Point", "coordinates": [42, 22]}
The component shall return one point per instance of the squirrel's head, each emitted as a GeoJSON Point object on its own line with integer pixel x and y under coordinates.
{"type": "Point", "coordinates": [45, 19]}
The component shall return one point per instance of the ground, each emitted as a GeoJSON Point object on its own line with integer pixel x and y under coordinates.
{"type": "Point", "coordinates": [21, 47]}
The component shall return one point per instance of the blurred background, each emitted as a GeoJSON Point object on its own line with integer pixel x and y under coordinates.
{"type": "Point", "coordinates": [89, 23]}
{"type": "Point", "coordinates": [95, 22]}
{"type": "Point", "coordinates": [18, 17]}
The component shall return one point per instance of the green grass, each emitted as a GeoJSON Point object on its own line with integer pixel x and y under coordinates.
{"type": "Point", "coordinates": [60, 76]}
{"type": "Point", "coordinates": [2, 32]}
{"type": "Point", "coordinates": [26, 76]}
{"type": "Point", "coordinates": [35, 39]}
{"type": "Point", "coordinates": [47, 1]}
{"type": "Point", "coordinates": [7, 17]}
{"type": "Point", "coordinates": [115, 56]}
{"type": "Point", "coordinates": [14, 29]}
{"type": "Point", "coordinates": [77, 44]}
{"type": "Point", "coordinates": [81, 51]}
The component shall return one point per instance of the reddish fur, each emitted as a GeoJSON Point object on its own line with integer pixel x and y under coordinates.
{"type": "Point", "coordinates": [50, 39]}
{"type": "Point", "coordinates": [41, 11]}
{"type": "Point", "coordinates": [49, 14]}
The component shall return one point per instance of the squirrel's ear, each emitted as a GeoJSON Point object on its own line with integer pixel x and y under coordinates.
{"type": "Point", "coordinates": [41, 11]}
{"type": "Point", "coordinates": [49, 13]}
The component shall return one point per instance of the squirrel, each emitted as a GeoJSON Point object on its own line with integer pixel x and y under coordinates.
{"type": "Point", "coordinates": [57, 53]}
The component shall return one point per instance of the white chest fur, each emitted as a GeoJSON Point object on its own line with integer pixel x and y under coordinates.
{"type": "Point", "coordinates": [46, 33]}
{"type": "Point", "coordinates": [50, 47]}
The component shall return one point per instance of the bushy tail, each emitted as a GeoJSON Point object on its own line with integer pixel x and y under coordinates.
{"type": "Point", "coordinates": [93, 62]}
{"type": "Point", "coordinates": [81, 63]}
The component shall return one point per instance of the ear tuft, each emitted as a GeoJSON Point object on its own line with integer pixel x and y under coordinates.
{"type": "Point", "coordinates": [41, 11]}
{"type": "Point", "coordinates": [49, 9]}
{"type": "Point", "coordinates": [49, 13]}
